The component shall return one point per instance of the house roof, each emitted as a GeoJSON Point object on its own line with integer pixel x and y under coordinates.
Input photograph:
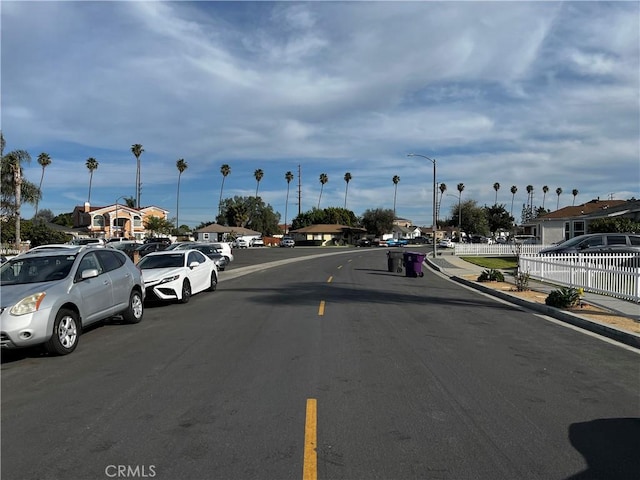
{"type": "Point", "coordinates": [327, 228]}
{"type": "Point", "coordinates": [217, 228]}
{"type": "Point", "coordinates": [592, 207]}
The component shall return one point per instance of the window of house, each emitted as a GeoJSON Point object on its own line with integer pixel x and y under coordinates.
{"type": "Point", "coordinates": [567, 231]}
{"type": "Point", "coordinates": [578, 228]}
{"type": "Point", "coordinates": [98, 221]}
{"type": "Point", "coordinates": [137, 221]}
{"type": "Point", "coordinates": [205, 236]}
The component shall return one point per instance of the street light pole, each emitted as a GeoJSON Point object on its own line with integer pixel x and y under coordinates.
{"type": "Point", "coordinates": [435, 220]}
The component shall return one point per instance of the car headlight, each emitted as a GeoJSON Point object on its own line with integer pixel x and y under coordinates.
{"type": "Point", "coordinates": [170, 279]}
{"type": "Point", "coordinates": [28, 304]}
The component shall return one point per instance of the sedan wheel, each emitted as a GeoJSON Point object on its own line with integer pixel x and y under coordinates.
{"type": "Point", "coordinates": [186, 292]}
{"type": "Point", "coordinates": [64, 338]}
{"type": "Point", "coordinates": [214, 282]}
{"type": "Point", "coordinates": [133, 313]}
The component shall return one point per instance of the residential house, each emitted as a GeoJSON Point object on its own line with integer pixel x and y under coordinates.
{"type": "Point", "coordinates": [569, 222]}
{"type": "Point", "coordinates": [221, 233]}
{"type": "Point", "coordinates": [327, 234]}
{"type": "Point", "coordinates": [114, 220]}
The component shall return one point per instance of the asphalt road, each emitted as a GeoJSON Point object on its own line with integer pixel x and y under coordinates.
{"type": "Point", "coordinates": [331, 366]}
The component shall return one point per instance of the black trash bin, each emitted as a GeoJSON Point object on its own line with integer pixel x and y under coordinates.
{"type": "Point", "coordinates": [394, 261]}
{"type": "Point", "coordinates": [413, 264]}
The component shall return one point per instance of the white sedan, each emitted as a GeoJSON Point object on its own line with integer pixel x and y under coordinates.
{"type": "Point", "coordinates": [177, 274]}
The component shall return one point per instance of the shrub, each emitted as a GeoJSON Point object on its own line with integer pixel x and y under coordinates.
{"type": "Point", "coordinates": [522, 281]}
{"type": "Point", "coordinates": [492, 275]}
{"type": "Point", "coordinates": [563, 298]}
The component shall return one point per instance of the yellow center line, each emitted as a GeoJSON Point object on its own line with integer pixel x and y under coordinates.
{"type": "Point", "coordinates": [330, 279]}
{"type": "Point", "coordinates": [310, 466]}
{"type": "Point", "coordinates": [321, 308]}
{"type": "Point", "coordinates": [339, 267]}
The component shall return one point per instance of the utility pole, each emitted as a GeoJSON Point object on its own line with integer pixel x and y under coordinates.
{"type": "Point", "coordinates": [299, 190]}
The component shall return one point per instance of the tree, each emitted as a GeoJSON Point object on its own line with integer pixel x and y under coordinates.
{"type": "Point", "coordinates": [181, 165]}
{"type": "Point", "coordinates": [347, 178]}
{"type": "Point", "coordinates": [288, 177]}
{"type": "Point", "coordinates": [130, 202]}
{"type": "Point", "coordinates": [12, 174]}
{"type": "Point", "coordinates": [471, 218]}
{"type": "Point", "coordinates": [137, 150]}
{"type": "Point", "coordinates": [574, 192]}
{"type": "Point", "coordinates": [330, 215]}
{"type": "Point", "coordinates": [238, 211]}
{"type": "Point", "coordinates": [460, 188]}
{"type": "Point", "coordinates": [496, 187]}
{"type": "Point", "coordinates": [514, 189]}
{"type": "Point", "coordinates": [92, 165]}
{"type": "Point", "coordinates": [323, 179]}
{"type": "Point", "coordinates": [225, 170]}
{"type": "Point", "coordinates": [44, 160]}
{"type": "Point", "coordinates": [614, 225]}
{"type": "Point", "coordinates": [530, 197]}
{"type": "Point", "coordinates": [378, 221]}
{"type": "Point", "coordinates": [258, 174]}
{"type": "Point", "coordinates": [558, 192]}
{"type": "Point", "coordinates": [395, 180]}
{"type": "Point", "coordinates": [443, 188]}
{"type": "Point", "coordinates": [498, 218]}
{"type": "Point", "coordinates": [545, 189]}
{"type": "Point", "coordinates": [158, 226]}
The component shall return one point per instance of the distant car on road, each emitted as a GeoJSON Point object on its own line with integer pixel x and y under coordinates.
{"type": "Point", "coordinates": [597, 243]}
{"type": "Point", "coordinates": [208, 249]}
{"type": "Point", "coordinates": [446, 243]}
{"type": "Point", "coordinates": [241, 243]}
{"type": "Point", "coordinates": [49, 296]}
{"type": "Point", "coordinates": [397, 242]}
{"type": "Point", "coordinates": [257, 242]}
{"type": "Point", "coordinates": [177, 274]}
{"type": "Point", "coordinates": [363, 242]}
{"type": "Point", "coordinates": [287, 242]}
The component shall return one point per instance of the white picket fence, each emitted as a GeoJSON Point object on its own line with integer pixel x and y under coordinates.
{"type": "Point", "coordinates": [496, 250]}
{"type": "Point", "coordinates": [616, 275]}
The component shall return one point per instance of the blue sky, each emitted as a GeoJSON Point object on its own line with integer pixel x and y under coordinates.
{"type": "Point", "coordinates": [517, 93]}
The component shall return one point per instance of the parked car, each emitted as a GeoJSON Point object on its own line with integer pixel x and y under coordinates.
{"type": "Point", "coordinates": [363, 242]}
{"type": "Point", "coordinates": [208, 249]}
{"type": "Point", "coordinates": [225, 249]}
{"type": "Point", "coordinates": [147, 248]}
{"type": "Point", "coordinates": [257, 242]}
{"type": "Point", "coordinates": [397, 242]}
{"type": "Point", "coordinates": [127, 247]}
{"type": "Point", "coordinates": [165, 240]}
{"type": "Point", "coordinates": [597, 243]}
{"type": "Point", "coordinates": [49, 247]}
{"type": "Point", "coordinates": [446, 243]}
{"type": "Point", "coordinates": [87, 241]}
{"type": "Point", "coordinates": [49, 296]}
{"type": "Point", "coordinates": [241, 243]}
{"type": "Point", "coordinates": [177, 274]}
{"type": "Point", "coordinates": [287, 242]}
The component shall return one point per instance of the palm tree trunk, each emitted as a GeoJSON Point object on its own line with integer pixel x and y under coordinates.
{"type": "Point", "coordinates": [286, 206]}
{"type": "Point", "coordinates": [220, 201]}
{"type": "Point", "coordinates": [178, 205]}
{"type": "Point", "coordinates": [18, 181]}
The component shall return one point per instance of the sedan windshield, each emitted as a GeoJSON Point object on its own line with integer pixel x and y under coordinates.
{"type": "Point", "coordinates": [162, 261]}
{"type": "Point", "coordinates": [36, 269]}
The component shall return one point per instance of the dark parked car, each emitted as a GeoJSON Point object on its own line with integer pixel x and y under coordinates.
{"type": "Point", "coordinates": [165, 240]}
{"type": "Point", "coordinates": [150, 247]}
{"type": "Point", "coordinates": [363, 242]}
{"type": "Point", "coordinates": [597, 243]}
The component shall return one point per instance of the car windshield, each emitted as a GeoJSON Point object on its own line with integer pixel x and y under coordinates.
{"type": "Point", "coordinates": [36, 269]}
{"type": "Point", "coordinates": [162, 261]}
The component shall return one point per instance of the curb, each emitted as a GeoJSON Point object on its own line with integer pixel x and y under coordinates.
{"type": "Point", "coordinates": [628, 338]}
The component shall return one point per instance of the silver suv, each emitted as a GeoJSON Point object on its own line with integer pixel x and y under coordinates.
{"type": "Point", "coordinates": [49, 296]}
{"type": "Point", "coordinates": [598, 243]}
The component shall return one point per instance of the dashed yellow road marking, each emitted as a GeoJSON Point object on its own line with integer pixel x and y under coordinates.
{"type": "Point", "coordinates": [339, 267]}
{"type": "Point", "coordinates": [310, 463]}
{"type": "Point", "coordinates": [321, 308]}
{"type": "Point", "coordinates": [330, 279]}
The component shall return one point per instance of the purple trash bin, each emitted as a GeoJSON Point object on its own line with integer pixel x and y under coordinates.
{"type": "Point", "coordinates": [413, 264]}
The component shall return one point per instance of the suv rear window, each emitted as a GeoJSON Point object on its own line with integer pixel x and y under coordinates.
{"type": "Point", "coordinates": [616, 240]}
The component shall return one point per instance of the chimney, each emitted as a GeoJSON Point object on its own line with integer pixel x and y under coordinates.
{"type": "Point", "coordinates": [87, 207]}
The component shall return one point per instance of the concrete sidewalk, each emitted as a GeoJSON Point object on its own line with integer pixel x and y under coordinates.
{"type": "Point", "coordinates": [457, 268]}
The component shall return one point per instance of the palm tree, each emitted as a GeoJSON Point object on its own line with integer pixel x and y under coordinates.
{"type": "Point", "coordinates": [224, 170]}
{"type": "Point", "coordinates": [288, 177]}
{"type": "Point", "coordinates": [460, 189]}
{"type": "Point", "coordinates": [137, 150]}
{"type": "Point", "coordinates": [396, 180]}
{"type": "Point", "coordinates": [443, 188]}
{"type": "Point", "coordinates": [514, 189]}
{"type": "Point", "coordinates": [530, 197]}
{"type": "Point", "coordinates": [323, 179]}
{"type": "Point", "coordinates": [92, 164]}
{"type": "Point", "coordinates": [545, 189]}
{"type": "Point", "coordinates": [181, 165]}
{"type": "Point", "coordinates": [15, 160]}
{"type": "Point", "coordinates": [558, 192]}
{"type": "Point", "coordinates": [496, 187]}
{"type": "Point", "coordinates": [574, 192]}
{"type": "Point", "coordinates": [347, 178]}
{"type": "Point", "coordinates": [258, 174]}
{"type": "Point", "coordinates": [44, 160]}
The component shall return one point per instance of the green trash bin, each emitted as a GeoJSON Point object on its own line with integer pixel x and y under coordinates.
{"type": "Point", "coordinates": [394, 261]}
